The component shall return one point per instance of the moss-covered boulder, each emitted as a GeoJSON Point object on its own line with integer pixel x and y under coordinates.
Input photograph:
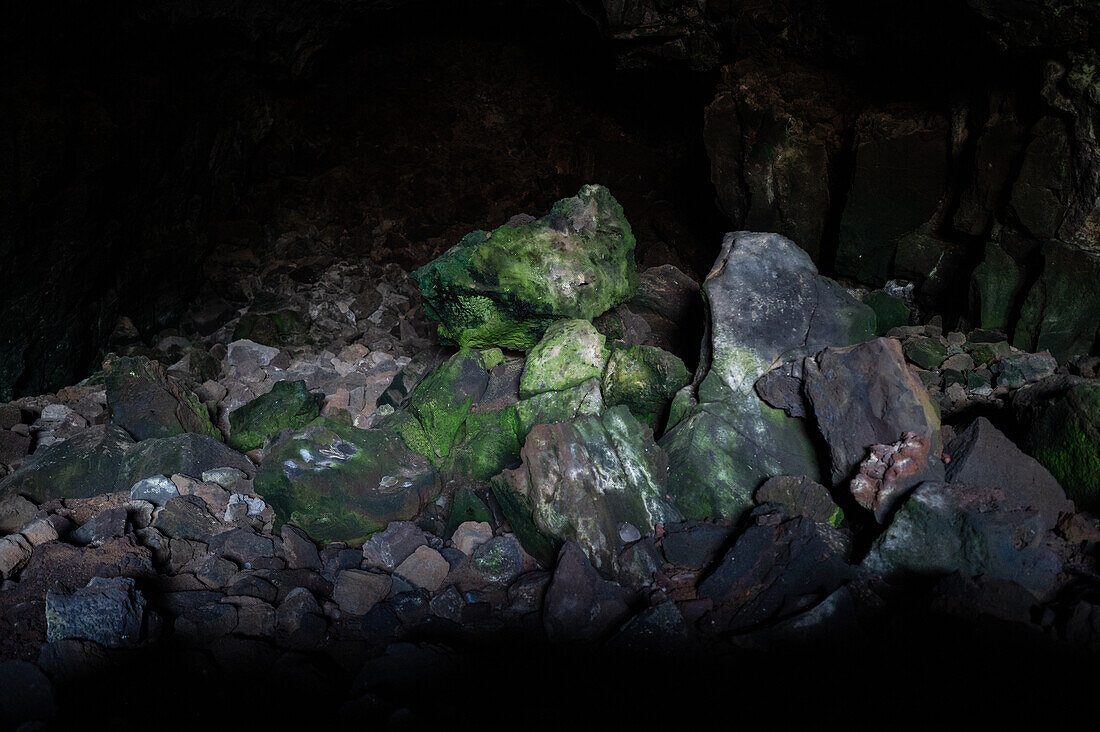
{"type": "Point", "coordinates": [1061, 312]}
{"type": "Point", "coordinates": [147, 402]}
{"type": "Point", "coordinates": [105, 459]}
{"type": "Point", "coordinates": [570, 352]}
{"type": "Point", "coordinates": [890, 311]}
{"type": "Point", "coordinates": [1061, 420]}
{"type": "Point", "coordinates": [339, 483]}
{"type": "Point", "coordinates": [289, 404]}
{"type": "Point", "coordinates": [584, 481]}
{"type": "Point", "coordinates": [766, 303]}
{"type": "Point", "coordinates": [644, 378]}
{"type": "Point", "coordinates": [998, 285]}
{"type": "Point", "coordinates": [505, 287]}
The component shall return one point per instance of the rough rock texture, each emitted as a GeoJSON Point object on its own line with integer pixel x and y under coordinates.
{"type": "Point", "coordinates": [503, 288]}
{"type": "Point", "coordinates": [581, 481]}
{"type": "Point", "coordinates": [105, 460]}
{"type": "Point", "coordinates": [801, 496]}
{"type": "Point", "coordinates": [147, 402]}
{"type": "Point", "coordinates": [570, 352]}
{"type": "Point", "coordinates": [341, 483]}
{"type": "Point", "coordinates": [644, 378]}
{"type": "Point", "coordinates": [1061, 313]}
{"type": "Point", "coordinates": [953, 527]}
{"type": "Point", "coordinates": [982, 456]}
{"type": "Point", "coordinates": [891, 471]}
{"type": "Point", "coordinates": [1060, 419]}
{"type": "Point", "coordinates": [107, 611]}
{"type": "Point", "coordinates": [289, 404]}
{"type": "Point", "coordinates": [766, 303]}
{"type": "Point", "coordinates": [580, 604]}
{"type": "Point", "coordinates": [865, 395]}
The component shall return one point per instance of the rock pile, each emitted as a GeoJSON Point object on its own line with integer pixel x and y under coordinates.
{"type": "Point", "coordinates": [276, 506]}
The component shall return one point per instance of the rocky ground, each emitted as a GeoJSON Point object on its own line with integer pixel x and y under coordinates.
{"type": "Point", "coordinates": [311, 498]}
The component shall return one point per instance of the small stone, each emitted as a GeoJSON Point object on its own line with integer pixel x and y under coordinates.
{"type": "Point", "coordinates": [243, 351]}
{"type": "Point", "coordinates": [14, 553]}
{"type": "Point", "coordinates": [470, 535]}
{"type": "Point", "coordinates": [959, 362]}
{"type": "Point", "coordinates": [629, 533]}
{"type": "Point", "coordinates": [186, 517]}
{"type": "Point", "coordinates": [156, 490]}
{"type": "Point", "coordinates": [225, 477]}
{"type": "Point", "coordinates": [300, 551]}
{"type": "Point", "coordinates": [499, 560]}
{"type": "Point", "coordinates": [244, 547]}
{"type": "Point", "coordinates": [107, 611]}
{"type": "Point", "coordinates": [253, 506]}
{"type": "Point", "coordinates": [448, 605]}
{"type": "Point", "coordinates": [387, 549]}
{"type": "Point", "coordinates": [425, 568]}
{"type": "Point", "coordinates": [15, 512]}
{"type": "Point", "coordinates": [356, 591]}
{"type": "Point", "coordinates": [299, 621]}
{"type": "Point", "coordinates": [928, 353]}
{"type": "Point", "coordinates": [39, 532]}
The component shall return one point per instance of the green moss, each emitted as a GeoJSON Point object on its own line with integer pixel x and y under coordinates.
{"type": "Point", "coordinates": [492, 357]}
{"type": "Point", "coordinates": [890, 312]}
{"type": "Point", "coordinates": [570, 352]}
{"type": "Point", "coordinates": [289, 404]}
{"type": "Point", "coordinates": [466, 505]}
{"type": "Point", "coordinates": [644, 378]}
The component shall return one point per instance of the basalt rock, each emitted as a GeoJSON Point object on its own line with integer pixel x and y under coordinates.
{"type": "Point", "coordinates": [865, 395]}
{"type": "Point", "coordinates": [581, 482]}
{"type": "Point", "coordinates": [570, 352]}
{"type": "Point", "coordinates": [801, 496]}
{"type": "Point", "coordinates": [146, 401]}
{"type": "Point", "coordinates": [505, 287]}
{"type": "Point", "coordinates": [767, 304]}
{"type": "Point", "coordinates": [644, 378]}
{"type": "Point", "coordinates": [288, 405]}
{"type": "Point", "coordinates": [1059, 314]}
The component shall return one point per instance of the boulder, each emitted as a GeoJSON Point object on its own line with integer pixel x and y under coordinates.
{"type": "Point", "coordinates": [147, 402]}
{"type": "Point", "coordinates": [644, 378]}
{"type": "Point", "coordinates": [581, 605]}
{"type": "Point", "coordinates": [998, 284]}
{"type": "Point", "coordinates": [891, 471]}
{"type": "Point", "coordinates": [1059, 314]}
{"type": "Point", "coordinates": [774, 568]}
{"type": "Point", "coordinates": [801, 497]}
{"type": "Point", "coordinates": [580, 482]}
{"type": "Point", "coordinates": [767, 304]}
{"type": "Point", "coordinates": [570, 352]}
{"type": "Point", "coordinates": [504, 288]}
{"type": "Point", "coordinates": [953, 527]}
{"type": "Point", "coordinates": [340, 483]}
{"type": "Point", "coordinates": [105, 459]}
{"type": "Point", "coordinates": [1060, 419]}
{"type": "Point", "coordinates": [288, 405]}
{"type": "Point", "coordinates": [865, 395]}
{"type": "Point", "coordinates": [982, 455]}
{"type": "Point", "coordinates": [890, 311]}
{"type": "Point", "coordinates": [107, 611]}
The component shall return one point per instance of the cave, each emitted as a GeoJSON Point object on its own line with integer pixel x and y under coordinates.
{"type": "Point", "coordinates": [420, 362]}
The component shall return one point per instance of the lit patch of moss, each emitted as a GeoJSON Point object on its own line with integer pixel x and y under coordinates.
{"type": "Point", "coordinates": [644, 378]}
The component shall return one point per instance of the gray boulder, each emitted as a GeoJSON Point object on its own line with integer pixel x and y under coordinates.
{"type": "Point", "coordinates": [107, 611]}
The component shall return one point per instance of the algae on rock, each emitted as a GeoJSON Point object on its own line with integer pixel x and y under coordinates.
{"type": "Point", "coordinates": [289, 404]}
{"type": "Point", "coordinates": [505, 287]}
{"type": "Point", "coordinates": [570, 352]}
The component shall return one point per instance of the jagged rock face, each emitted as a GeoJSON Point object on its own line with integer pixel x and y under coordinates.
{"type": "Point", "coordinates": [504, 288]}
{"type": "Point", "coordinates": [767, 303]}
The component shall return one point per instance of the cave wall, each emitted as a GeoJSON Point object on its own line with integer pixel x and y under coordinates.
{"type": "Point", "coordinates": [953, 144]}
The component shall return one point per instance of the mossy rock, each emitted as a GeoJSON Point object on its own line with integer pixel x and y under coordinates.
{"type": "Point", "coordinates": [998, 285]}
{"type": "Point", "coordinates": [926, 352]}
{"type": "Point", "coordinates": [644, 378]}
{"type": "Point", "coordinates": [1060, 314]}
{"type": "Point", "coordinates": [147, 402]}
{"type": "Point", "coordinates": [1065, 437]}
{"type": "Point", "coordinates": [466, 505]}
{"type": "Point", "coordinates": [505, 287]}
{"type": "Point", "coordinates": [570, 352]}
{"type": "Point", "coordinates": [339, 483]}
{"type": "Point", "coordinates": [289, 404]}
{"type": "Point", "coordinates": [890, 311]}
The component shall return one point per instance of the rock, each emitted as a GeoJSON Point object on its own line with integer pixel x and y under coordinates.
{"type": "Point", "coordinates": [928, 353]}
{"type": "Point", "coordinates": [156, 490]}
{"type": "Point", "coordinates": [580, 605]}
{"type": "Point", "coordinates": [107, 611]}
{"type": "Point", "coordinates": [299, 549]}
{"type": "Point", "coordinates": [883, 206]}
{"type": "Point", "coordinates": [147, 402]}
{"type": "Point", "coordinates": [107, 525]}
{"type": "Point", "coordinates": [15, 551]}
{"type": "Point", "coordinates": [387, 549]}
{"type": "Point", "coordinates": [215, 572]}
{"type": "Point", "coordinates": [40, 531]}
{"type": "Point", "coordinates": [643, 378]}
{"type": "Point", "coordinates": [13, 448]}
{"type": "Point", "coordinates": [288, 405]}
{"type": "Point", "coordinates": [356, 591]}
{"type": "Point", "coordinates": [15, 512]}
{"type": "Point", "coordinates": [186, 517]}
{"type": "Point", "coordinates": [570, 352]}
{"type": "Point", "coordinates": [246, 548]}
{"type": "Point", "coordinates": [777, 564]}
{"type": "Point", "coordinates": [1061, 422]}
{"type": "Point", "coordinates": [952, 527]}
{"type": "Point", "coordinates": [26, 695]}
{"type": "Point", "coordinates": [10, 415]}
{"type": "Point", "coordinates": [865, 395]}
{"type": "Point", "coordinates": [890, 311]}
{"type": "Point", "coordinates": [982, 456]}
{"type": "Point", "coordinates": [767, 303]}
{"type": "Point", "coordinates": [225, 477]}
{"type": "Point", "coordinates": [466, 506]}
{"type": "Point", "coordinates": [891, 471]}
{"type": "Point", "coordinates": [998, 284]}
{"type": "Point", "coordinates": [1042, 189]}
{"type": "Point", "coordinates": [579, 481]}
{"type": "Point", "coordinates": [499, 560]}
{"type": "Point", "coordinates": [503, 288]}
{"type": "Point", "coordinates": [659, 630]}
{"type": "Point", "coordinates": [341, 483]}
{"type": "Point", "coordinates": [448, 605]}
{"type": "Point", "coordinates": [470, 535]}
{"type": "Point", "coordinates": [243, 352]}
{"type": "Point", "coordinates": [695, 544]}
{"type": "Point", "coordinates": [299, 621]}
{"type": "Point", "coordinates": [1058, 314]}
{"type": "Point", "coordinates": [1017, 369]}
{"type": "Point", "coordinates": [801, 497]}
{"type": "Point", "coordinates": [425, 568]}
